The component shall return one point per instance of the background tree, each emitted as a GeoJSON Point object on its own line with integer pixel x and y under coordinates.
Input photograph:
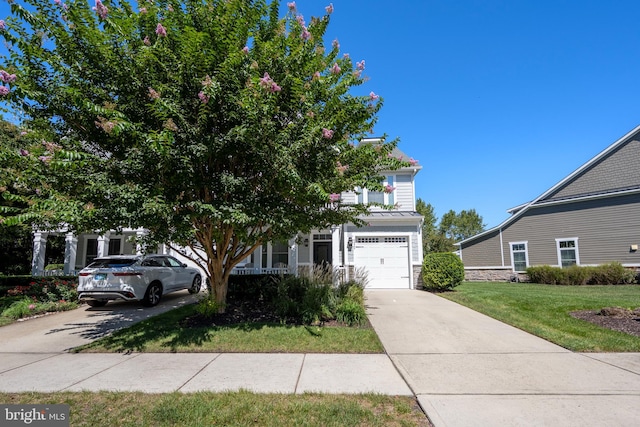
{"type": "Point", "coordinates": [215, 124]}
{"type": "Point", "coordinates": [460, 226]}
{"type": "Point", "coordinates": [453, 227]}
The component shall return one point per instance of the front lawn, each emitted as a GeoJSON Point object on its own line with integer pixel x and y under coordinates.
{"type": "Point", "coordinates": [543, 310]}
{"type": "Point", "coordinates": [229, 409]}
{"type": "Point", "coordinates": [169, 333]}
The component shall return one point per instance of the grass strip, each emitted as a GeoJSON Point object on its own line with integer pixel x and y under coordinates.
{"type": "Point", "coordinates": [229, 409]}
{"type": "Point", "coordinates": [544, 310]}
{"type": "Point", "coordinates": [167, 333]}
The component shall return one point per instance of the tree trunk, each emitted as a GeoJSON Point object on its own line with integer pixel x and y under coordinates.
{"type": "Point", "coordinates": [220, 285]}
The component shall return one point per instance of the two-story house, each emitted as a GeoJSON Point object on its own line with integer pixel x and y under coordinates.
{"type": "Point", "coordinates": [387, 249]}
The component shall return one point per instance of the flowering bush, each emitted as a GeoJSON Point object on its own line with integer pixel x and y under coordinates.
{"type": "Point", "coordinates": [47, 289]}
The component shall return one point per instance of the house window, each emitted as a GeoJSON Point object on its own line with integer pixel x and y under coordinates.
{"type": "Point", "coordinates": [568, 252]}
{"type": "Point", "coordinates": [279, 254]}
{"type": "Point", "coordinates": [519, 256]}
{"type": "Point", "coordinates": [380, 197]}
{"type": "Point", "coordinates": [114, 246]}
{"type": "Point", "coordinates": [92, 251]}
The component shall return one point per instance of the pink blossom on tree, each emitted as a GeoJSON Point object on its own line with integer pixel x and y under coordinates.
{"type": "Point", "coordinates": [245, 49]}
{"type": "Point", "coordinates": [146, 41]}
{"type": "Point", "coordinates": [373, 96]}
{"type": "Point", "coordinates": [2, 24]}
{"type": "Point", "coordinates": [4, 90]}
{"type": "Point", "coordinates": [413, 161]}
{"type": "Point", "coordinates": [335, 69]}
{"type": "Point", "coordinates": [388, 189]}
{"type": "Point", "coordinates": [100, 9]}
{"type": "Point", "coordinates": [335, 44]}
{"type": "Point", "coordinates": [334, 197]}
{"type": "Point", "coordinates": [161, 31]}
{"type": "Point", "coordinates": [143, 10]}
{"type": "Point", "coordinates": [24, 152]}
{"type": "Point", "coordinates": [306, 35]}
{"type": "Point", "coordinates": [292, 6]}
{"type": "Point", "coordinates": [6, 77]}
{"type": "Point", "coordinates": [329, 9]}
{"type": "Point", "coordinates": [153, 94]}
{"type": "Point", "coordinates": [267, 82]}
{"type": "Point", "coordinates": [203, 97]}
{"type": "Point", "coordinates": [360, 65]}
{"type": "Point", "coordinates": [327, 133]}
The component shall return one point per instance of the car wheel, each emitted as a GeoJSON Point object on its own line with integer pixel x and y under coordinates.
{"type": "Point", "coordinates": [96, 303]}
{"type": "Point", "coordinates": [195, 286]}
{"type": "Point", "coordinates": [153, 294]}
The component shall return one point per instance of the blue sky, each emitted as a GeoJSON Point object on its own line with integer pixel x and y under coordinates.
{"type": "Point", "coordinates": [497, 99]}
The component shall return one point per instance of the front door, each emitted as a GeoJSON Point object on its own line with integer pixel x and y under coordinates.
{"type": "Point", "coordinates": [322, 253]}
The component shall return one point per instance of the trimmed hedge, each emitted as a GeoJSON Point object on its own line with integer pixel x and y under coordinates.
{"type": "Point", "coordinates": [442, 271]}
{"type": "Point", "coordinates": [606, 274]}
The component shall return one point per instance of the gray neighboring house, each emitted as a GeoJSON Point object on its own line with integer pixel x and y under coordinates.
{"type": "Point", "coordinates": [591, 217]}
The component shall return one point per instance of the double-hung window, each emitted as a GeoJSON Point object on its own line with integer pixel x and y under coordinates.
{"type": "Point", "coordinates": [568, 254]}
{"type": "Point", "coordinates": [386, 197]}
{"type": "Point", "coordinates": [519, 256]}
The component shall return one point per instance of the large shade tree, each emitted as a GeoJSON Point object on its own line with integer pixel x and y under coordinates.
{"type": "Point", "coordinates": [216, 125]}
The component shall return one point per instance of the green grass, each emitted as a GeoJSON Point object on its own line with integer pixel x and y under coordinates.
{"type": "Point", "coordinates": [543, 310]}
{"type": "Point", "coordinates": [229, 409]}
{"type": "Point", "coordinates": [164, 333]}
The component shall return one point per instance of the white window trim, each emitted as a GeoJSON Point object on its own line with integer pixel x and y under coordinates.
{"type": "Point", "coordinates": [526, 254]}
{"type": "Point", "coordinates": [565, 239]}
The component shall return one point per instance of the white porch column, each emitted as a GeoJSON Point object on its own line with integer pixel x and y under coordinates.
{"type": "Point", "coordinates": [140, 233]}
{"type": "Point", "coordinates": [39, 250]}
{"type": "Point", "coordinates": [293, 256]}
{"type": "Point", "coordinates": [70, 253]}
{"type": "Point", "coordinates": [335, 247]}
{"type": "Point", "coordinates": [103, 244]}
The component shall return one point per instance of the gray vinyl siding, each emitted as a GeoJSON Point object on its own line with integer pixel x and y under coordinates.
{"type": "Point", "coordinates": [483, 252]}
{"type": "Point", "coordinates": [605, 229]}
{"type": "Point", "coordinates": [618, 170]}
{"type": "Point", "coordinates": [404, 192]}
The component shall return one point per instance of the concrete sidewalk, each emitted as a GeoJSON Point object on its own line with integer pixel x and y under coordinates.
{"type": "Point", "coordinates": [190, 372]}
{"type": "Point", "coordinates": [467, 369]}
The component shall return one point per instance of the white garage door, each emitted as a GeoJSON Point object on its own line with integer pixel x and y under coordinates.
{"type": "Point", "coordinates": [386, 260]}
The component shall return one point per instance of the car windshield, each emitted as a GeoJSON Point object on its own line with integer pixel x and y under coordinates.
{"type": "Point", "coordinates": [112, 263]}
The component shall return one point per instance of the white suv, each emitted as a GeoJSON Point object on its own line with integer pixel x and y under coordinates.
{"type": "Point", "coordinates": [135, 278]}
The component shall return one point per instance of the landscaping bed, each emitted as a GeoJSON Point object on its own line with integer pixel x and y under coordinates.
{"type": "Point", "coordinates": [614, 318]}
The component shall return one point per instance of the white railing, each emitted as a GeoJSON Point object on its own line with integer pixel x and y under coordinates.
{"type": "Point", "coordinates": [255, 270]}
{"type": "Point", "coordinates": [47, 273]}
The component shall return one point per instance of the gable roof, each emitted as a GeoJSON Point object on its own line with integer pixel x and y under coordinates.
{"type": "Point", "coordinates": [555, 195]}
{"type": "Point", "coordinates": [397, 153]}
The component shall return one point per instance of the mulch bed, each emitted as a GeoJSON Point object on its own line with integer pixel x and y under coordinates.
{"type": "Point", "coordinates": [615, 318]}
{"type": "Point", "coordinates": [245, 312]}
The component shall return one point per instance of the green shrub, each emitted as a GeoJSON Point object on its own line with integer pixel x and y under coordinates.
{"type": "Point", "coordinates": [606, 274]}
{"type": "Point", "coordinates": [50, 267]}
{"type": "Point", "coordinates": [442, 271]}
{"type": "Point", "coordinates": [27, 307]}
{"type": "Point", "coordinates": [318, 302]}
{"type": "Point", "coordinates": [350, 312]}
{"type": "Point", "coordinates": [612, 274]}
{"type": "Point", "coordinates": [545, 274]}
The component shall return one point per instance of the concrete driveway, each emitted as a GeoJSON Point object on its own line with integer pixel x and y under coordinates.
{"type": "Point", "coordinates": [467, 369]}
{"type": "Point", "coordinates": [60, 332]}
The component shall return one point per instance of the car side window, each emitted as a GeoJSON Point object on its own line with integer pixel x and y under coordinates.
{"type": "Point", "coordinates": [174, 262]}
{"type": "Point", "coordinates": [151, 262]}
